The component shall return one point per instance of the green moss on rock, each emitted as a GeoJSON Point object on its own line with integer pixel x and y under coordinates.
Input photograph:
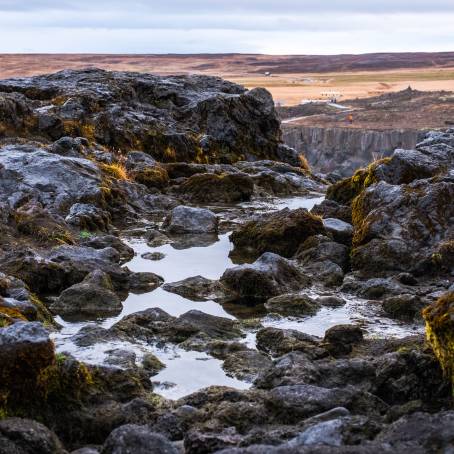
{"type": "Point", "coordinates": [440, 332]}
{"type": "Point", "coordinates": [282, 233]}
{"type": "Point", "coordinates": [212, 188]}
{"type": "Point", "coordinates": [346, 190]}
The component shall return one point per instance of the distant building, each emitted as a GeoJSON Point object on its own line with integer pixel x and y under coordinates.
{"type": "Point", "coordinates": [331, 96]}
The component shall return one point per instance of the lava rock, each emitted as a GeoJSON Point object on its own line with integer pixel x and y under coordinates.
{"type": "Point", "coordinates": [185, 219]}
{"type": "Point", "coordinates": [88, 216]}
{"type": "Point", "coordinates": [340, 338]}
{"type": "Point", "coordinates": [23, 436]}
{"type": "Point", "coordinates": [138, 440]}
{"type": "Point", "coordinates": [212, 188]}
{"type": "Point", "coordinates": [196, 288]}
{"type": "Point", "coordinates": [405, 307]}
{"type": "Point", "coordinates": [292, 304]}
{"type": "Point", "coordinates": [281, 233]}
{"type": "Point", "coordinates": [269, 276]}
{"type": "Point", "coordinates": [94, 296]}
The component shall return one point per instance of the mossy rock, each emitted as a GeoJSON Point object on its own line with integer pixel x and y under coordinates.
{"type": "Point", "coordinates": [37, 223]}
{"type": "Point", "coordinates": [212, 188]}
{"type": "Point", "coordinates": [152, 177]}
{"type": "Point", "coordinates": [439, 318]}
{"type": "Point", "coordinates": [282, 233]}
{"type": "Point", "coordinates": [346, 190]}
{"type": "Point", "coordinates": [443, 257]}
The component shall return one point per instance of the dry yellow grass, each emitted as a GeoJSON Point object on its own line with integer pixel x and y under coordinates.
{"type": "Point", "coordinates": [116, 170]}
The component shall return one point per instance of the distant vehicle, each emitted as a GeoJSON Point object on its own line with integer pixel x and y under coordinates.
{"type": "Point", "coordinates": [268, 74]}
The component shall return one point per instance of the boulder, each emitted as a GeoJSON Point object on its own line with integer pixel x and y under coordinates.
{"type": "Point", "coordinates": [292, 304]}
{"type": "Point", "coordinates": [330, 301]}
{"type": "Point", "coordinates": [341, 231]}
{"type": "Point", "coordinates": [210, 325]}
{"type": "Point", "coordinates": [404, 307]}
{"type": "Point", "coordinates": [282, 233]}
{"type": "Point", "coordinates": [340, 339]}
{"type": "Point", "coordinates": [89, 217]}
{"type": "Point", "coordinates": [196, 288]}
{"type": "Point", "coordinates": [23, 436]}
{"type": "Point", "coordinates": [104, 241]}
{"type": "Point", "coordinates": [144, 282]}
{"type": "Point", "coordinates": [42, 226]}
{"type": "Point", "coordinates": [325, 272]}
{"type": "Point", "coordinates": [292, 403]}
{"type": "Point", "coordinates": [213, 188]}
{"type": "Point", "coordinates": [154, 256]}
{"type": "Point", "coordinates": [399, 228]}
{"type": "Point", "coordinates": [269, 276]}
{"type": "Point", "coordinates": [94, 296]}
{"type": "Point", "coordinates": [155, 325]}
{"type": "Point", "coordinates": [430, 433]}
{"type": "Point", "coordinates": [69, 146]}
{"type": "Point", "coordinates": [56, 182]}
{"type": "Point", "coordinates": [136, 439]}
{"type": "Point", "coordinates": [185, 219]}
{"type": "Point", "coordinates": [196, 441]}
{"type": "Point", "coordinates": [320, 248]}
{"type": "Point", "coordinates": [331, 209]}
{"type": "Point", "coordinates": [25, 351]}
{"type": "Point", "coordinates": [278, 342]}
{"type": "Point", "coordinates": [246, 365]}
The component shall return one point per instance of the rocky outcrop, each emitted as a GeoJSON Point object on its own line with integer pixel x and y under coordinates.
{"type": "Point", "coordinates": [401, 213]}
{"type": "Point", "coordinates": [343, 150]}
{"type": "Point", "coordinates": [181, 118]}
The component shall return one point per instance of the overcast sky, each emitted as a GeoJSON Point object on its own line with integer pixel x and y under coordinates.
{"type": "Point", "coordinates": [255, 26]}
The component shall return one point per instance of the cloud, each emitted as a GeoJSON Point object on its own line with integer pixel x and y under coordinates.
{"type": "Point", "coordinates": [179, 26]}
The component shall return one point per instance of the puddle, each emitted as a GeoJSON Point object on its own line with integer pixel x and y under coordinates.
{"type": "Point", "coordinates": [355, 311]}
{"type": "Point", "coordinates": [189, 371]}
{"type": "Point", "coordinates": [292, 203]}
{"type": "Point", "coordinates": [208, 261]}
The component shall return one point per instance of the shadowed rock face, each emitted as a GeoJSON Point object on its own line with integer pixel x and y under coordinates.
{"type": "Point", "coordinates": [343, 150]}
{"type": "Point", "coordinates": [181, 118]}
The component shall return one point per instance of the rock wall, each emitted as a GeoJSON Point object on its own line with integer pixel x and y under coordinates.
{"type": "Point", "coordinates": [343, 150]}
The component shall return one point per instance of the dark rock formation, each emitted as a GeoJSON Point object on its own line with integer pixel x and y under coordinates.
{"type": "Point", "coordinates": [280, 232]}
{"type": "Point", "coordinates": [343, 150]}
{"type": "Point", "coordinates": [181, 118]}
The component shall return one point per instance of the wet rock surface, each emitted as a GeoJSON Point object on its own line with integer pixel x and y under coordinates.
{"type": "Point", "coordinates": [264, 327]}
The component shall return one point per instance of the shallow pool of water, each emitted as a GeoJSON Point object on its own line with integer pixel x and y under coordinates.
{"type": "Point", "coordinates": [292, 203]}
{"type": "Point", "coordinates": [186, 372]}
{"type": "Point", "coordinates": [355, 311]}
{"type": "Point", "coordinates": [208, 261]}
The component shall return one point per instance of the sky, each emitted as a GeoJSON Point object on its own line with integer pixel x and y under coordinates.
{"type": "Point", "coordinates": [220, 26]}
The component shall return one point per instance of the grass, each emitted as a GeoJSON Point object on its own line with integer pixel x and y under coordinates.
{"type": "Point", "coordinates": [116, 170]}
{"type": "Point", "coordinates": [84, 234]}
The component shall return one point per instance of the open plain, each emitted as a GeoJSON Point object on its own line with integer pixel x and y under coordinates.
{"type": "Point", "coordinates": [290, 79]}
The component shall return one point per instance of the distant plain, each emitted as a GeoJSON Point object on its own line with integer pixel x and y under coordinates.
{"type": "Point", "coordinates": [291, 79]}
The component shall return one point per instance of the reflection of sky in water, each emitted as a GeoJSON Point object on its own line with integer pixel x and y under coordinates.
{"type": "Point", "coordinates": [356, 311]}
{"type": "Point", "coordinates": [209, 261]}
{"type": "Point", "coordinates": [279, 204]}
{"type": "Point", "coordinates": [190, 371]}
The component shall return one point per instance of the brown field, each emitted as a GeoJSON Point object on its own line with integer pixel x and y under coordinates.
{"type": "Point", "coordinates": [292, 79]}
